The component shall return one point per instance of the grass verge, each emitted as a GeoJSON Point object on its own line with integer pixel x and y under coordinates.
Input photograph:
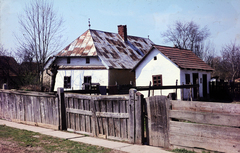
{"type": "Point", "coordinates": [42, 143]}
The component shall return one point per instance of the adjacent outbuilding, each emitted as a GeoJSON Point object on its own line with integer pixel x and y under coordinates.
{"type": "Point", "coordinates": [165, 66]}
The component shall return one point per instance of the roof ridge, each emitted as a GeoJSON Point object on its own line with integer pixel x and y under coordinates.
{"type": "Point", "coordinates": [117, 33]}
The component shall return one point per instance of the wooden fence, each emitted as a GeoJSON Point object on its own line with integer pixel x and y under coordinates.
{"type": "Point", "coordinates": [228, 91]}
{"type": "Point", "coordinates": [115, 117]}
{"type": "Point", "coordinates": [35, 108]}
{"type": "Point", "coordinates": [193, 125]}
{"type": "Point", "coordinates": [169, 124]}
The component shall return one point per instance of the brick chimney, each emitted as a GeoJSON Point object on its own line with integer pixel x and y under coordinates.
{"type": "Point", "coordinates": [122, 31]}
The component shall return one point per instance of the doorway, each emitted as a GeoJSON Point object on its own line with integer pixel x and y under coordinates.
{"type": "Point", "coordinates": [195, 81]}
{"type": "Point", "coordinates": [204, 76]}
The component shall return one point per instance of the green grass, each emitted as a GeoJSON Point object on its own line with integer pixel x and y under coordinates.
{"type": "Point", "coordinates": [182, 151]}
{"type": "Point", "coordinates": [26, 138]}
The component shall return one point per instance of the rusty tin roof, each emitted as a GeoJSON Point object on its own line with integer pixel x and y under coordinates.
{"type": "Point", "coordinates": [110, 48]}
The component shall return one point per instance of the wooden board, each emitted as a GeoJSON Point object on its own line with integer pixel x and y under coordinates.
{"type": "Point", "coordinates": [202, 142]}
{"type": "Point", "coordinates": [208, 131]}
{"type": "Point", "coordinates": [206, 118]}
{"type": "Point", "coordinates": [104, 119]}
{"type": "Point", "coordinates": [123, 121]}
{"type": "Point", "coordinates": [157, 121]}
{"type": "Point", "coordinates": [110, 120]}
{"type": "Point", "coordinates": [222, 108]}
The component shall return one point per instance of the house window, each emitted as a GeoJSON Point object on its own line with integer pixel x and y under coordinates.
{"type": "Point", "coordinates": [87, 79]}
{"type": "Point", "coordinates": [155, 57]}
{"type": "Point", "coordinates": [87, 82]}
{"type": "Point", "coordinates": [67, 82]}
{"type": "Point", "coordinates": [187, 78]}
{"type": "Point", "coordinates": [68, 60]}
{"type": "Point", "coordinates": [87, 60]}
{"type": "Point", "coordinates": [157, 80]}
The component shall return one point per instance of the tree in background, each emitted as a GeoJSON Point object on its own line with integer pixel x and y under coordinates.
{"type": "Point", "coordinates": [2, 50]}
{"type": "Point", "coordinates": [41, 30]}
{"type": "Point", "coordinates": [231, 60]}
{"type": "Point", "coordinates": [188, 35]}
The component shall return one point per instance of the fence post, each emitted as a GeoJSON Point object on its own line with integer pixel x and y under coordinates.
{"type": "Point", "coordinates": [176, 88]}
{"type": "Point", "coordinates": [62, 109]}
{"type": "Point", "coordinates": [139, 118]}
{"type": "Point", "coordinates": [94, 118]}
{"type": "Point", "coordinates": [131, 111]}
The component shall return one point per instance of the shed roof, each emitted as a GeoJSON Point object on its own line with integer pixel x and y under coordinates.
{"type": "Point", "coordinates": [110, 48]}
{"type": "Point", "coordinates": [183, 58]}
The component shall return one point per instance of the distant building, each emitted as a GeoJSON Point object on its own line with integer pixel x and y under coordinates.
{"type": "Point", "coordinates": [9, 72]}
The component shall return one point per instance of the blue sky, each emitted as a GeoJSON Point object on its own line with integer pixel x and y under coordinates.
{"type": "Point", "coordinates": [142, 17]}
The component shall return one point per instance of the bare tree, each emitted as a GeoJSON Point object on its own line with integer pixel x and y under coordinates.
{"type": "Point", "coordinates": [187, 36]}
{"type": "Point", "coordinates": [1, 50]}
{"type": "Point", "coordinates": [231, 60]}
{"type": "Point", "coordinates": [41, 30]}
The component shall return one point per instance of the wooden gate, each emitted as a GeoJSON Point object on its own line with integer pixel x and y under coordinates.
{"type": "Point", "coordinates": [115, 117]}
{"type": "Point", "coordinates": [157, 117]}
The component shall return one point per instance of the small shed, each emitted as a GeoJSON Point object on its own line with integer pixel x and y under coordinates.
{"type": "Point", "coordinates": [163, 66]}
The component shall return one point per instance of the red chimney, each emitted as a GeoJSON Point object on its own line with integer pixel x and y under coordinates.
{"type": "Point", "coordinates": [122, 31]}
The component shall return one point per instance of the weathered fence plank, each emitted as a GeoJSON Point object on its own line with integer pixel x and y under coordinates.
{"type": "Point", "coordinates": [123, 121]}
{"type": "Point", "coordinates": [110, 120]}
{"type": "Point", "coordinates": [223, 108]}
{"type": "Point", "coordinates": [205, 131]}
{"type": "Point", "coordinates": [93, 118]}
{"type": "Point", "coordinates": [104, 119]}
{"type": "Point", "coordinates": [207, 118]}
{"type": "Point", "coordinates": [131, 121]}
{"type": "Point", "coordinates": [206, 143]}
{"type": "Point", "coordinates": [158, 121]}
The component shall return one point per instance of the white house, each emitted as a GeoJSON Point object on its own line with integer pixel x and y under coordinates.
{"type": "Point", "coordinates": [164, 65]}
{"type": "Point", "coordinates": [99, 57]}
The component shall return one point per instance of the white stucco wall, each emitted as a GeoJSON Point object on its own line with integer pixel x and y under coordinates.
{"type": "Point", "coordinates": [77, 78]}
{"type": "Point", "coordinates": [200, 76]}
{"type": "Point", "coordinates": [77, 75]}
{"type": "Point", "coordinates": [80, 61]}
{"type": "Point", "coordinates": [162, 66]}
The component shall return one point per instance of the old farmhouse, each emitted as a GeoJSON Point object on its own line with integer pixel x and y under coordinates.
{"type": "Point", "coordinates": [108, 59]}
{"type": "Point", "coordinates": [99, 57]}
{"type": "Point", "coordinates": [165, 66]}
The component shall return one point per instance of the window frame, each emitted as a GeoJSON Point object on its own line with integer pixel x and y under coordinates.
{"type": "Point", "coordinates": [158, 79]}
{"type": "Point", "coordinates": [67, 82]}
{"type": "Point", "coordinates": [68, 60]}
{"type": "Point", "coordinates": [187, 78]}
{"type": "Point", "coordinates": [87, 60]}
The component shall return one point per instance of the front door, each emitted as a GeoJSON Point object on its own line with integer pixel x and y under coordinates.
{"type": "Point", "coordinates": [204, 76]}
{"type": "Point", "coordinates": [195, 81]}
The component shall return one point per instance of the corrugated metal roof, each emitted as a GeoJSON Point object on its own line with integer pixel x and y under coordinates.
{"type": "Point", "coordinates": [110, 48]}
